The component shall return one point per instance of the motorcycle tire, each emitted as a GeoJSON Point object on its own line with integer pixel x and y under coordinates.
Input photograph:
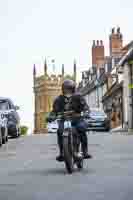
{"type": "Point", "coordinates": [68, 156]}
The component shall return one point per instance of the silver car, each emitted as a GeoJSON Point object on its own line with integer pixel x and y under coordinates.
{"type": "Point", "coordinates": [52, 127]}
{"type": "Point", "coordinates": [97, 120]}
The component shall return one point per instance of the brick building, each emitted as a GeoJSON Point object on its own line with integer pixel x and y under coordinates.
{"type": "Point", "coordinates": [104, 82]}
{"type": "Point", "coordinates": [115, 100]}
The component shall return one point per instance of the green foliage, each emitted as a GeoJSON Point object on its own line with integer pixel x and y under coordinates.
{"type": "Point", "coordinates": [69, 77]}
{"type": "Point", "coordinates": [23, 130]}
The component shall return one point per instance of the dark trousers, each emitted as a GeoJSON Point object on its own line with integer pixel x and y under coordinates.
{"type": "Point", "coordinates": [80, 126]}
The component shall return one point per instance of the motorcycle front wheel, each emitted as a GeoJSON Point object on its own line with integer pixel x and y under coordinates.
{"type": "Point", "coordinates": [68, 154]}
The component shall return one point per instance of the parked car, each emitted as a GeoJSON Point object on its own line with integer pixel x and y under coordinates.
{"type": "Point", "coordinates": [52, 127]}
{"type": "Point", "coordinates": [3, 128]}
{"type": "Point", "coordinates": [0, 138]}
{"type": "Point", "coordinates": [97, 120]}
{"type": "Point", "coordinates": [13, 122]}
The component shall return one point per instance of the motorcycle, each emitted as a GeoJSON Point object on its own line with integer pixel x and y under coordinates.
{"type": "Point", "coordinates": [71, 144]}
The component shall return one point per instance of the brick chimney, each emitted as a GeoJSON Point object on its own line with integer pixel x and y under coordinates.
{"type": "Point", "coordinates": [97, 53]}
{"type": "Point", "coordinates": [116, 42]}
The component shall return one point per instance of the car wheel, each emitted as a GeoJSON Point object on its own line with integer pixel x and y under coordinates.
{"type": "Point", "coordinates": [3, 132]}
{"type": "Point", "coordinates": [107, 129]}
{"type": "Point", "coordinates": [0, 138]}
{"type": "Point", "coordinates": [7, 138]}
{"type": "Point", "coordinates": [3, 140]}
{"type": "Point", "coordinates": [17, 133]}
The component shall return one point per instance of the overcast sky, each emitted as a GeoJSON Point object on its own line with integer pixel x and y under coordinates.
{"type": "Point", "coordinates": [31, 30]}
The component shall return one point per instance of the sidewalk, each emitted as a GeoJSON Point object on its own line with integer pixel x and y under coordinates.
{"type": "Point", "coordinates": [119, 129]}
{"type": "Point", "coordinates": [122, 130]}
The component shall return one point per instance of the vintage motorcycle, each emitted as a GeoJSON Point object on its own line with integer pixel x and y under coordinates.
{"type": "Point", "coordinates": [72, 148]}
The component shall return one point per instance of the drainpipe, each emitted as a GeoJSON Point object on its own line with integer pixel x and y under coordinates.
{"type": "Point", "coordinates": [97, 91]}
{"type": "Point", "coordinates": [122, 108]}
{"type": "Point", "coordinates": [131, 95]}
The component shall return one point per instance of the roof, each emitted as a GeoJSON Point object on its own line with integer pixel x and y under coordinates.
{"type": "Point", "coordinates": [4, 98]}
{"type": "Point", "coordinates": [128, 46]}
{"type": "Point", "coordinates": [88, 88]}
{"type": "Point", "coordinates": [127, 57]}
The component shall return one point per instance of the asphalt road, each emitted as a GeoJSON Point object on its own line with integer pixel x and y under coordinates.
{"type": "Point", "coordinates": [29, 171]}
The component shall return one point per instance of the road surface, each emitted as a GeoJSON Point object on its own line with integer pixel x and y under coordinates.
{"type": "Point", "coordinates": [28, 170]}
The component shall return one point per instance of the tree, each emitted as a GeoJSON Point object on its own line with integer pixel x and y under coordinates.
{"type": "Point", "coordinates": [23, 130]}
{"type": "Point", "coordinates": [69, 77]}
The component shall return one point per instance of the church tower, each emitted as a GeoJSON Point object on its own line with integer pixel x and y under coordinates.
{"type": "Point", "coordinates": [46, 89]}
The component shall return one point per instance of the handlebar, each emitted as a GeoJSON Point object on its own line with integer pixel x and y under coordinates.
{"type": "Point", "coordinates": [67, 115]}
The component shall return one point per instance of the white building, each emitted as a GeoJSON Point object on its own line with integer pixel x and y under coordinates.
{"type": "Point", "coordinates": [126, 64]}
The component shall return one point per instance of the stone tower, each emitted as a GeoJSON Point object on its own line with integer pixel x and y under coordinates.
{"type": "Point", "coordinates": [98, 53]}
{"type": "Point", "coordinates": [46, 89]}
{"type": "Point", "coordinates": [116, 43]}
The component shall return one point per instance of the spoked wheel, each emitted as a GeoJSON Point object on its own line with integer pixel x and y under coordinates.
{"type": "Point", "coordinates": [68, 155]}
{"type": "Point", "coordinates": [80, 159]}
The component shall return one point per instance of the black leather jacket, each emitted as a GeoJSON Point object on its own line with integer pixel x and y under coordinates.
{"type": "Point", "coordinates": [76, 103]}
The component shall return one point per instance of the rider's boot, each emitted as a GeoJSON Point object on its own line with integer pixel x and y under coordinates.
{"type": "Point", "coordinates": [60, 157]}
{"type": "Point", "coordinates": [86, 155]}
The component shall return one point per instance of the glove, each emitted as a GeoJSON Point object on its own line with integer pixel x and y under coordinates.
{"type": "Point", "coordinates": [51, 117]}
{"type": "Point", "coordinates": [86, 115]}
{"type": "Point", "coordinates": [48, 119]}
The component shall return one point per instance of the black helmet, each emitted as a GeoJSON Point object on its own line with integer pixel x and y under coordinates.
{"type": "Point", "coordinates": [68, 85]}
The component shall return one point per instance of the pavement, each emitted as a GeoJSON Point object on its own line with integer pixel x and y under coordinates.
{"type": "Point", "coordinates": [119, 129]}
{"type": "Point", "coordinates": [29, 171]}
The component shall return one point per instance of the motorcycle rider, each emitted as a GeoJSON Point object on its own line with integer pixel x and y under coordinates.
{"type": "Point", "coordinates": [67, 101]}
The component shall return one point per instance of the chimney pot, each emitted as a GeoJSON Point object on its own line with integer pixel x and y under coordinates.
{"type": "Point", "coordinates": [118, 30]}
{"type": "Point", "coordinates": [113, 30]}
{"type": "Point", "coordinates": [101, 42]}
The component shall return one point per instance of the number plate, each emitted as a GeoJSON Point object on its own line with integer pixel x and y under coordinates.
{"type": "Point", "coordinates": [67, 124]}
{"type": "Point", "coordinates": [96, 124]}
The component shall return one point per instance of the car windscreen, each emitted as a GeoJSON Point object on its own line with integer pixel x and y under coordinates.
{"type": "Point", "coordinates": [97, 113]}
{"type": "Point", "coordinates": [4, 105]}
